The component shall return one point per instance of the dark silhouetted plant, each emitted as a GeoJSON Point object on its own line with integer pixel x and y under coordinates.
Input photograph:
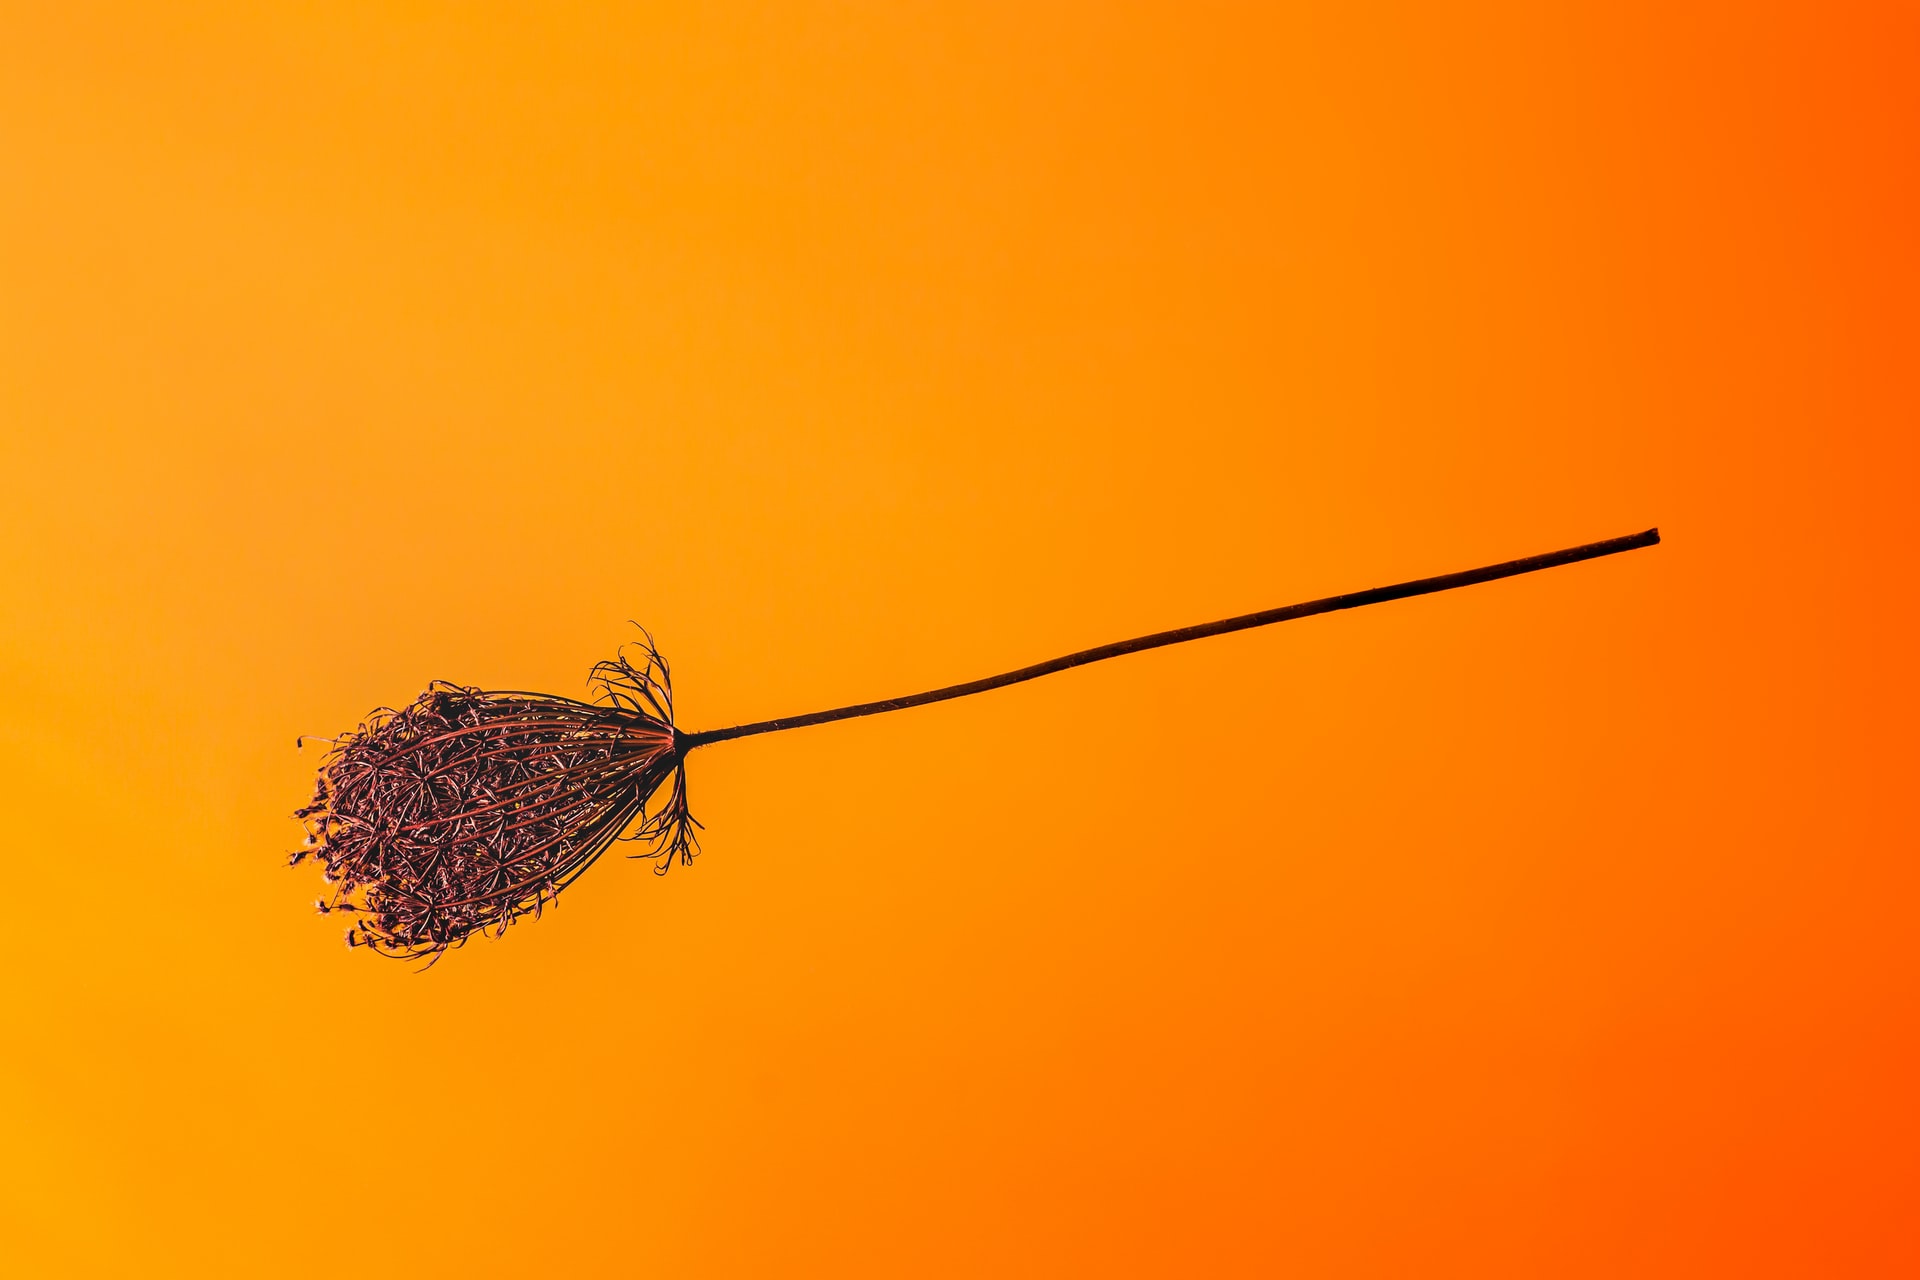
{"type": "Point", "coordinates": [462, 812]}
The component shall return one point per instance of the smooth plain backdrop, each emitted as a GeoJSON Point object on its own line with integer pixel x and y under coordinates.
{"type": "Point", "coordinates": [1562, 926]}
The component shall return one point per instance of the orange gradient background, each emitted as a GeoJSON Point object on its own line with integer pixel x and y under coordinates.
{"type": "Point", "coordinates": [1558, 927]}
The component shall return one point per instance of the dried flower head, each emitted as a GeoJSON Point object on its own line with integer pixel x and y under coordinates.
{"type": "Point", "coordinates": [467, 809]}
{"type": "Point", "coordinates": [462, 812]}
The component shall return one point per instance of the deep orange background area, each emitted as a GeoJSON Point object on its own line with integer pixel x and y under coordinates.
{"type": "Point", "coordinates": [1558, 927]}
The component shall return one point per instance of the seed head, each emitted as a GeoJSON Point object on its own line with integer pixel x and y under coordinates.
{"type": "Point", "coordinates": [467, 809]}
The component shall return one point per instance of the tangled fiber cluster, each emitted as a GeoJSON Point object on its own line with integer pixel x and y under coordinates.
{"type": "Point", "coordinates": [467, 809]}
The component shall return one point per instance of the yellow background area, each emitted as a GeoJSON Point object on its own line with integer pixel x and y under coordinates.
{"type": "Point", "coordinates": [1557, 927]}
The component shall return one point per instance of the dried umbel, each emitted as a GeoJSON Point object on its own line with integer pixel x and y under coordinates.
{"type": "Point", "coordinates": [466, 810]}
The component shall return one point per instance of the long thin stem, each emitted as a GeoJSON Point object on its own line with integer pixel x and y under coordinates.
{"type": "Point", "coordinates": [1286, 613]}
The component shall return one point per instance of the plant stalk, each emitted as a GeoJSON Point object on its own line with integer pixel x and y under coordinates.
{"type": "Point", "coordinates": [686, 742]}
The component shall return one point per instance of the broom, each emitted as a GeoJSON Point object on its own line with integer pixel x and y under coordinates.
{"type": "Point", "coordinates": [467, 809]}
